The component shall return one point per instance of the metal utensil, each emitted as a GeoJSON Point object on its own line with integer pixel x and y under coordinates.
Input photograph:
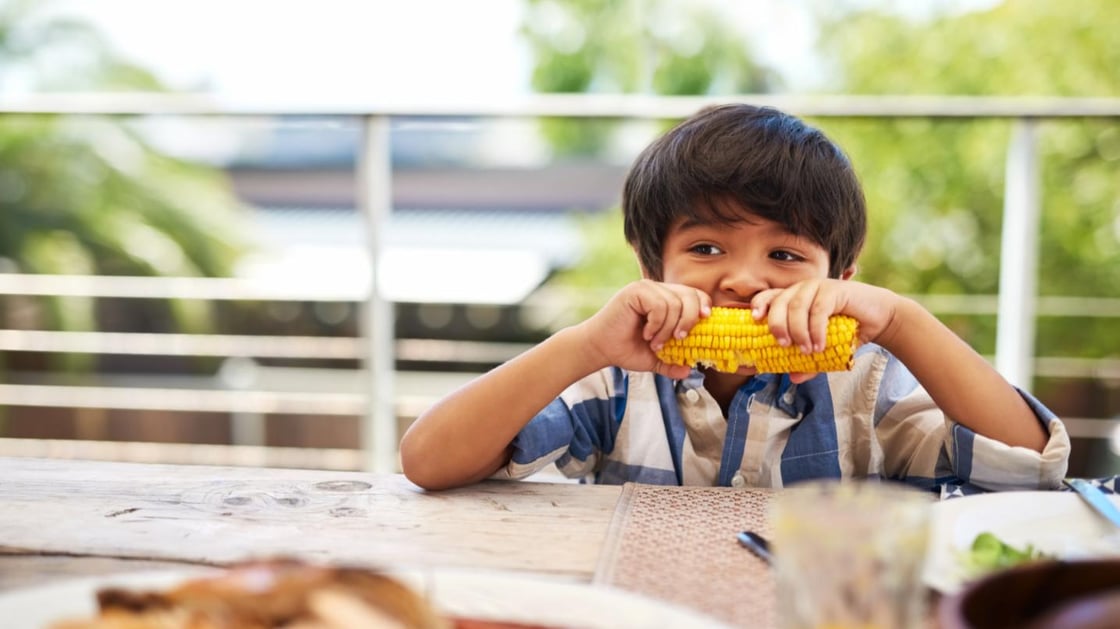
{"type": "Point", "coordinates": [756, 543]}
{"type": "Point", "coordinates": [1096, 499]}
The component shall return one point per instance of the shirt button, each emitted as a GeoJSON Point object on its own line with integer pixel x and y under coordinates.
{"type": "Point", "coordinates": [738, 480]}
{"type": "Point", "coordinates": [692, 395]}
{"type": "Point", "coordinates": [788, 397]}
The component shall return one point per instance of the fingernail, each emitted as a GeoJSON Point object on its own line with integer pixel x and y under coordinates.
{"type": "Point", "coordinates": [783, 342]}
{"type": "Point", "coordinates": [682, 333]}
{"type": "Point", "coordinates": [756, 313]}
{"type": "Point", "coordinates": [705, 311]}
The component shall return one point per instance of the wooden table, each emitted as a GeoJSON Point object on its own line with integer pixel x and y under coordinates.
{"type": "Point", "coordinates": [64, 518]}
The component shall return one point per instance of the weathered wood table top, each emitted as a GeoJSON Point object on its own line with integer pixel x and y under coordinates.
{"type": "Point", "coordinates": [62, 518]}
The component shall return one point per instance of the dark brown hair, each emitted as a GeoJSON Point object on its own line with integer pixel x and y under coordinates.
{"type": "Point", "coordinates": [729, 160]}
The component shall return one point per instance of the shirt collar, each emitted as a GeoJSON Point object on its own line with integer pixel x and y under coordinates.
{"type": "Point", "coordinates": [695, 380]}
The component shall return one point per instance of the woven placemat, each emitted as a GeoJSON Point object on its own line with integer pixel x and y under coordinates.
{"type": "Point", "coordinates": [678, 544]}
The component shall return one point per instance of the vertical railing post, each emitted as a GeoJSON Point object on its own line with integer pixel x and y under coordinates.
{"type": "Point", "coordinates": [1018, 266]}
{"type": "Point", "coordinates": [379, 426]}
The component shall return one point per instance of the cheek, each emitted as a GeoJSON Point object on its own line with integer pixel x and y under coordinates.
{"type": "Point", "coordinates": [695, 275]}
{"type": "Point", "coordinates": [671, 268]}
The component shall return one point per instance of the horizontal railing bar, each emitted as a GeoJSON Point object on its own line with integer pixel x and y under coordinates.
{"type": "Point", "coordinates": [440, 350]}
{"type": "Point", "coordinates": [1046, 306]}
{"type": "Point", "coordinates": [568, 105]}
{"type": "Point", "coordinates": [163, 287]}
{"type": "Point", "coordinates": [1069, 367]}
{"type": "Point", "coordinates": [416, 390]}
{"type": "Point", "coordinates": [1077, 427]}
{"type": "Point", "coordinates": [192, 400]}
{"type": "Point", "coordinates": [336, 347]}
{"type": "Point", "coordinates": [185, 453]}
{"type": "Point", "coordinates": [149, 344]}
{"type": "Point", "coordinates": [1090, 428]}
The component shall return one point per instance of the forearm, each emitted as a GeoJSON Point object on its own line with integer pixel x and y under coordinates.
{"type": "Point", "coordinates": [962, 383]}
{"type": "Point", "coordinates": [465, 437]}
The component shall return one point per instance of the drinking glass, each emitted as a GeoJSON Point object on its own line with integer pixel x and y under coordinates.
{"type": "Point", "coordinates": [850, 554]}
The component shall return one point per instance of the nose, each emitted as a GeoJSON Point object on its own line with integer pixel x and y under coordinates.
{"type": "Point", "coordinates": [740, 283]}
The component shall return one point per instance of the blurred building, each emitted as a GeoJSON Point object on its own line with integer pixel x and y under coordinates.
{"type": "Point", "coordinates": [480, 214]}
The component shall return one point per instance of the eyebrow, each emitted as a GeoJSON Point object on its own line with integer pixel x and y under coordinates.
{"type": "Point", "coordinates": [689, 222]}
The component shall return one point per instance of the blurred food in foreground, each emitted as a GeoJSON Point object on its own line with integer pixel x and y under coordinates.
{"type": "Point", "coordinates": [989, 553]}
{"type": "Point", "coordinates": [275, 593]}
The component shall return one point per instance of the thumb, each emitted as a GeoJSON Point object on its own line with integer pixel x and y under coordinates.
{"type": "Point", "coordinates": [673, 372]}
{"type": "Point", "coordinates": [798, 378]}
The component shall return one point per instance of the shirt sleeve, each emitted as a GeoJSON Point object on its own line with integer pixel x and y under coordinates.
{"type": "Point", "coordinates": [573, 431]}
{"type": "Point", "coordinates": [997, 466]}
{"type": "Point", "coordinates": [922, 444]}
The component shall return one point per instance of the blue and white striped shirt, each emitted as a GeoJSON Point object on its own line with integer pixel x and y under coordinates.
{"type": "Point", "coordinates": [876, 420]}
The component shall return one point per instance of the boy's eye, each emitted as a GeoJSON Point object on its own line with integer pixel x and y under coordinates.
{"type": "Point", "coordinates": [785, 256]}
{"type": "Point", "coordinates": [706, 249]}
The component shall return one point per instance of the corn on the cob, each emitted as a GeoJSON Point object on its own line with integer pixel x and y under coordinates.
{"type": "Point", "coordinates": [730, 338]}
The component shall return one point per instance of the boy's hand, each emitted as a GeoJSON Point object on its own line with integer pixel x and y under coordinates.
{"type": "Point", "coordinates": [637, 322]}
{"type": "Point", "coordinates": [798, 315]}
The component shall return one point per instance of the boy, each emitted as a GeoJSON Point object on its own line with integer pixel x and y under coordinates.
{"type": "Point", "coordinates": [743, 207]}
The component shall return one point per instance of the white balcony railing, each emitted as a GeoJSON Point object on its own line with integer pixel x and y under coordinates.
{"type": "Point", "coordinates": [1016, 308]}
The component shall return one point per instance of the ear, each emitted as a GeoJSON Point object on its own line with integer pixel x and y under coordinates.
{"type": "Point", "coordinates": [848, 272]}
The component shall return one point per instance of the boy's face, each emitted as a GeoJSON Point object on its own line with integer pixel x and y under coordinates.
{"type": "Point", "coordinates": [733, 262]}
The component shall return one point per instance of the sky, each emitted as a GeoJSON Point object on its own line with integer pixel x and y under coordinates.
{"type": "Point", "coordinates": [361, 50]}
{"type": "Point", "coordinates": [358, 49]}
{"type": "Point", "coordinates": [255, 48]}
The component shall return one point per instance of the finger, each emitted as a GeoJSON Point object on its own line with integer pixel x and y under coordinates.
{"type": "Point", "coordinates": [819, 313]}
{"type": "Point", "coordinates": [777, 312]}
{"type": "Point", "coordinates": [655, 318]}
{"type": "Point", "coordinates": [673, 372]}
{"type": "Point", "coordinates": [797, 315]}
{"type": "Point", "coordinates": [664, 315]}
{"type": "Point", "coordinates": [798, 378]}
{"type": "Point", "coordinates": [685, 306]}
{"type": "Point", "coordinates": [695, 305]}
{"type": "Point", "coordinates": [705, 304]}
{"type": "Point", "coordinates": [760, 304]}
{"type": "Point", "coordinates": [648, 303]}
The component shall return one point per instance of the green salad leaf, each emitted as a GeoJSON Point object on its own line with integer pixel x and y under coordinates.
{"type": "Point", "coordinates": [989, 553]}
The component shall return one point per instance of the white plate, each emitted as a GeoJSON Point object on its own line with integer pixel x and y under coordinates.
{"type": "Point", "coordinates": [1057, 523]}
{"type": "Point", "coordinates": [483, 595]}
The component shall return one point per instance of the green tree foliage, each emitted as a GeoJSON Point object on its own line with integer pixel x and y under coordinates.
{"type": "Point", "coordinates": [936, 188]}
{"type": "Point", "coordinates": [86, 194]}
{"type": "Point", "coordinates": [671, 47]}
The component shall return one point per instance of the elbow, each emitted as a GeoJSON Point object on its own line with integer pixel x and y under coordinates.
{"type": "Point", "coordinates": [413, 463]}
{"type": "Point", "coordinates": [421, 466]}
{"type": "Point", "coordinates": [434, 466]}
